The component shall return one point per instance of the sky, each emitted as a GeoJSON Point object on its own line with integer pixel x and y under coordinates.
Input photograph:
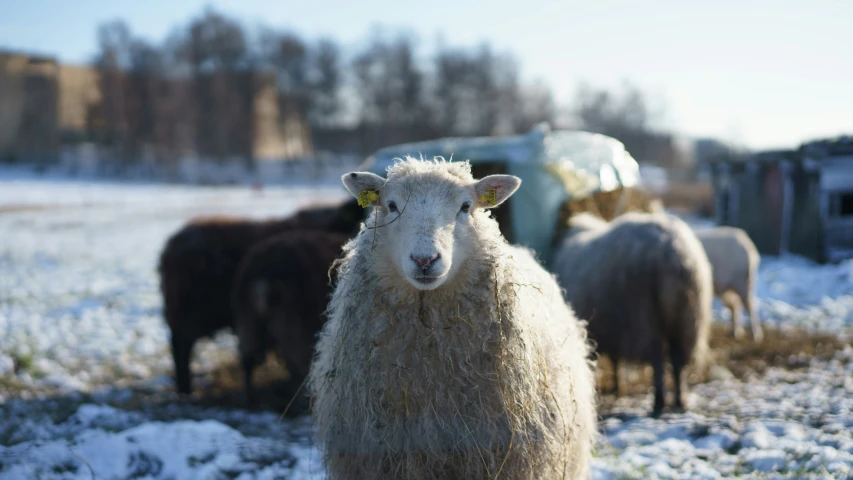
{"type": "Point", "coordinates": [761, 74]}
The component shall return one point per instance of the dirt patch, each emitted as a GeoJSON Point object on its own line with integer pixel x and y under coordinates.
{"type": "Point", "coordinates": [221, 387]}
{"type": "Point", "coordinates": [273, 389]}
{"type": "Point", "coordinates": [742, 357]}
{"type": "Point", "coordinates": [785, 349]}
{"type": "Point", "coordinates": [18, 208]}
{"type": "Point", "coordinates": [26, 208]}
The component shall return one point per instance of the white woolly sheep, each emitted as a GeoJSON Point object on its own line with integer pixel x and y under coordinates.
{"type": "Point", "coordinates": [448, 353]}
{"type": "Point", "coordinates": [734, 261]}
{"type": "Point", "coordinates": [643, 282]}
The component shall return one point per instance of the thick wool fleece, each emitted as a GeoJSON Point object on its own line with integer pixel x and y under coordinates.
{"type": "Point", "coordinates": [487, 374]}
{"type": "Point", "coordinates": [641, 281]}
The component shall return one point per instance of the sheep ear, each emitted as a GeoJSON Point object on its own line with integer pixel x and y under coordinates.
{"type": "Point", "coordinates": [493, 190]}
{"type": "Point", "coordinates": [364, 186]}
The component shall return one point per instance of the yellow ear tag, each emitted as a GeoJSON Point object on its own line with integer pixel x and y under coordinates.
{"type": "Point", "coordinates": [367, 197]}
{"type": "Point", "coordinates": [490, 198]}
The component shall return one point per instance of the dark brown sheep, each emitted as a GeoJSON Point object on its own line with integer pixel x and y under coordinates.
{"type": "Point", "coordinates": [198, 264]}
{"type": "Point", "coordinates": [280, 294]}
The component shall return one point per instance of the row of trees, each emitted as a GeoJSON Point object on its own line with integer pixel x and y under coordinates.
{"type": "Point", "coordinates": [628, 116]}
{"type": "Point", "coordinates": [198, 92]}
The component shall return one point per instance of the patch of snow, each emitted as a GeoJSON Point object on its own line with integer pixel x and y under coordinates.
{"type": "Point", "coordinates": [717, 441]}
{"type": "Point", "coordinates": [80, 317]}
{"type": "Point", "coordinates": [79, 293]}
{"type": "Point", "coordinates": [766, 460]}
{"type": "Point", "coordinates": [181, 449]}
{"type": "Point", "coordinates": [7, 365]}
{"type": "Point", "coordinates": [798, 424]}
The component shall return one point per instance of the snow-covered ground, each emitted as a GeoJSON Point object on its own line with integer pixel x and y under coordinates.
{"type": "Point", "coordinates": [786, 424]}
{"type": "Point", "coordinates": [79, 301]}
{"type": "Point", "coordinates": [82, 341]}
{"type": "Point", "coordinates": [795, 292]}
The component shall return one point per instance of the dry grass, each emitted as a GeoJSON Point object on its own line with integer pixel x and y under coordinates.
{"type": "Point", "coordinates": [272, 389]}
{"type": "Point", "coordinates": [15, 208]}
{"type": "Point", "coordinates": [694, 197]}
{"type": "Point", "coordinates": [689, 197]}
{"type": "Point", "coordinates": [742, 357]}
{"type": "Point", "coordinates": [605, 205]}
{"type": "Point", "coordinates": [779, 349]}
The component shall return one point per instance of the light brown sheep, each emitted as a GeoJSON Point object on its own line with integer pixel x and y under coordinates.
{"type": "Point", "coordinates": [734, 260]}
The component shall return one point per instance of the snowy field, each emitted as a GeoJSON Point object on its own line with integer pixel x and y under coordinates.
{"type": "Point", "coordinates": [85, 386]}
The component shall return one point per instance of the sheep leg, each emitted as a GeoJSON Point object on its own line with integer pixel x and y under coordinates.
{"type": "Point", "coordinates": [248, 362]}
{"type": "Point", "coordinates": [614, 359]}
{"type": "Point", "coordinates": [751, 307]}
{"type": "Point", "coordinates": [181, 351]}
{"type": "Point", "coordinates": [733, 303]}
{"type": "Point", "coordinates": [676, 357]}
{"type": "Point", "coordinates": [658, 367]}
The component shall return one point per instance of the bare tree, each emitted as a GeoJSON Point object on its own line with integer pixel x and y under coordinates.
{"type": "Point", "coordinates": [144, 79]}
{"type": "Point", "coordinates": [628, 117]}
{"type": "Point", "coordinates": [390, 85]}
{"type": "Point", "coordinates": [109, 119]}
{"type": "Point", "coordinates": [197, 92]}
{"type": "Point", "coordinates": [535, 105]}
{"type": "Point", "coordinates": [216, 42]}
{"type": "Point", "coordinates": [221, 63]}
{"type": "Point", "coordinates": [611, 113]}
{"type": "Point", "coordinates": [288, 56]}
{"type": "Point", "coordinates": [475, 92]}
{"type": "Point", "coordinates": [326, 82]}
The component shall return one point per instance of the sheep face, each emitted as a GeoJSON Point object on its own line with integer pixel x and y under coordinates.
{"type": "Point", "coordinates": [424, 222]}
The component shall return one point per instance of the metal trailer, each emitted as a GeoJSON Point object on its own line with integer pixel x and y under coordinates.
{"type": "Point", "coordinates": [554, 167]}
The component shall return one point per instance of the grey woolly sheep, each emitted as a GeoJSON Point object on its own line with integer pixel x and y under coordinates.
{"type": "Point", "coordinates": [448, 353]}
{"type": "Point", "coordinates": [198, 264]}
{"type": "Point", "coordinates": [280, 294]}
{"type": "Point", "coordinates": [734, 261]}
{"type": "Point", "coordinates": [643, 282]}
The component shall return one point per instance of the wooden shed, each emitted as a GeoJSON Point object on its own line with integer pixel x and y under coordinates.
{"type": "Point", "coordinates": [795, 201]}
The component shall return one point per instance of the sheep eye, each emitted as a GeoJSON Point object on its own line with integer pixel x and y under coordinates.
{"type": "Point", "coordinates": [466, 206]}
{"type": "Point", "coordinates": [392, 207]}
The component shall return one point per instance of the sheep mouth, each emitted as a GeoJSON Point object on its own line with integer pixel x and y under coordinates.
{"type": "Point", "coordinates": [426, 280]}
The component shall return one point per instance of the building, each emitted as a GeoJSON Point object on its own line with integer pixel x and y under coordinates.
{"type": "Point", "coordinates": [794, 201]}
{"type": "Point", "coordinates": [78, 91]}
{"type": "Point", "coordinates": [277, 136]}
{"type": "Point", "coordinates": [45, 105]}
{"type": "Point", "coordinates": [29, 106]}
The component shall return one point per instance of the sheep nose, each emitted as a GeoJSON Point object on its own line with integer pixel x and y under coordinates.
{"type": "Point", "coordinates": [425, 262]}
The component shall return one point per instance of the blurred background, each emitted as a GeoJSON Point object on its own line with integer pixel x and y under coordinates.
{"type": "Point", "coordinates": [167, 87]}
{"type": "Point", "coordinates": [122, 122]}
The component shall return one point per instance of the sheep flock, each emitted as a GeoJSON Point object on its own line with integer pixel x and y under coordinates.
{"type": "Point", "coordinates": [428, 345]}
